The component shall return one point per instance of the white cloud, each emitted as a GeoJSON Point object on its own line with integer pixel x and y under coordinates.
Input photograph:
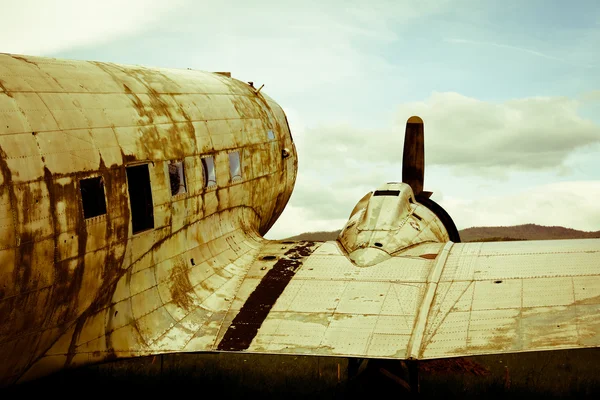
{"type": "Point", "coordinates": [527, 133]}
{"type": "Point", "coordinates": [530, 133]}
{"type": "Point", "coordinates": [39, 27]}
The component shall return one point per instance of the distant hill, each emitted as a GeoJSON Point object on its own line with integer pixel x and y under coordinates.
{"type": "Point", "coordinates": [320, 236]}
{"type": "Point", "coordinates": [487, 234]}
{"type": "Point", "coordinates": [524, 232]}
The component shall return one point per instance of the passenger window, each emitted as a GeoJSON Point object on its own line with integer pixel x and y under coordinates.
{"type": "Point", "coordinates": [208, 168]}
{"type": "Point", "coordinates": [270, 134]}
{"type": "Point", "coordinates": [235, 169]}
{"type": "Point", "coordinates": [92, 197]}
{"type": "Point", "coordinates": [177, 177]}
{"type": "Point", "coordinates": [140, 198]}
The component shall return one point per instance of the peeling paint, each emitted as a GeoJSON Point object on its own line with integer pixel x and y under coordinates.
{"type": "Point", "coordinates": [82, 283]}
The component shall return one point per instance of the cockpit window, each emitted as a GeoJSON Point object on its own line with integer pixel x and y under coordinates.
{"type": "Point", "coordinates": [235, 169]}
{"type": "Point", "coordinates": [208, 168]}
{"type": "Point", "coordinates": [386, 193]}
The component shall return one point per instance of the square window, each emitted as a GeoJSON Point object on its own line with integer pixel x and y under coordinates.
{"type": "Point", "coordinates": [92, 197]}
{"type": "Point", "coordinates": [177, 177]}
{"type": "Point", "coordinates": [235, 169]}
{"type": "Point", "coordinates": [140, 198]}
{"type": "Point", "coordinates": [208, 169]}
{"type": "Point", "coordinates": [270, 135]}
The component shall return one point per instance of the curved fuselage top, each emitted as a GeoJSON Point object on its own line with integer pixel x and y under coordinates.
{"type": "Point", "coordinates": [71, 129]}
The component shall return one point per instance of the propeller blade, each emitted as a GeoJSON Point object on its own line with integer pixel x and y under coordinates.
{"type": "Point", "coordinates": [413, 159]}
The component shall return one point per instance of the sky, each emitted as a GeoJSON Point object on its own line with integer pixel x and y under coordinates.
{"type": "Point", "coordinates": [509, 91]}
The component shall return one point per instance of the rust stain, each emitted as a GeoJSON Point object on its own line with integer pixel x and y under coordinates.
{"type": "Point", "coordinates": [79, 289]}
{"type": "Point", "coordinates": [499, 341]}
{"type": "Point", "coordinates": [4, 89]}
{"type": "Point", "coordinates": [116, 233]}
{"type": "Point", "coordinates": [589, 301]}
{"type": "Point", "coordinates": [24, 60]}
{"type": "Point", "coordinates": [546, 329]}
{"type": "Point", "coordinates": [7, 307]}
{"type": "Point", "coordinates": [180, 285]}
{"type": "Point", "coordinates": [158, 107]}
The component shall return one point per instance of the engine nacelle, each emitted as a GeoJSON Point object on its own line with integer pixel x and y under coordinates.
{"type": "Point", "coordinates": [387, 221]}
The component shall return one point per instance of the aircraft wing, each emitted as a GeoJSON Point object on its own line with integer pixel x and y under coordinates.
{"type": "Point", "coordinates": [431, 301]}
{"type": "Point", "coordinates": [330, 306]}
{"type": "Point", "coordinates": [507, 297]}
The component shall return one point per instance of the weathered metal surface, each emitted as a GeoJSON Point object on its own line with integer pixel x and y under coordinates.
{"type": "Point", "coordinates": [388, 222]}
{"type": "Point", "coordinates": [251, 316]}
{"type": "Point", "coordinates": [193, 273]}
{"type": "Point", "coordinates": [331, 306]}
{"type": "Point", "coordinates": [80, 290]}
{"type": "Point", "coordinates": [470, 299]}
{"type": "Point", "coordinates": [510, 297]}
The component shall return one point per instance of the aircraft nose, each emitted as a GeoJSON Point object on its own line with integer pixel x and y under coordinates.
{"type": "Point", "coordinates": [366, 257]}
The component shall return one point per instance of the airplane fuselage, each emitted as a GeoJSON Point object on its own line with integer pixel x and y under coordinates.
{"type": "Point", "coordinates": [106, 169]}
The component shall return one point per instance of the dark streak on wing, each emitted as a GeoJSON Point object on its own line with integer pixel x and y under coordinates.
{"type": "Point", "coordinates": [249, 319]}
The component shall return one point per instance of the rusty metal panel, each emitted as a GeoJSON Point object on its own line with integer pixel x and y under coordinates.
{"type": "Point", "coordinates": [12, 119]}
{"type": "Point", "coordinates": [7, 223]}
{"type": "Point", "coordinates": [331, 307]}
{"type": "Point", "coordinates": [22, 157]}
{"type": "Point", "coordinates": [62, 120]}
{"type": "Point", "coordinates": [34, 112]}
{"type": "Point", "coordinates": [64, 150]}
{"type": "Point", "coordinates": [513, 297]}
{"type": "Point", "coordinates": [20, 74]}
{"type": "Point", "coordinates": [120, 109]}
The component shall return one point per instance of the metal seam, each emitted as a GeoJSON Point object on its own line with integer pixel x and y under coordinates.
{"type": "Point", "coordinates": [416, 338]}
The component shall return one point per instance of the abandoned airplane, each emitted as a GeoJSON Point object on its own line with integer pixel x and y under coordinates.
{"type": "Point", "coordinates": [133, 205]}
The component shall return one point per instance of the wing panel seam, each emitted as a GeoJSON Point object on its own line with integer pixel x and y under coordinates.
{"type": "Point", "coordinates": [416, 339]}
